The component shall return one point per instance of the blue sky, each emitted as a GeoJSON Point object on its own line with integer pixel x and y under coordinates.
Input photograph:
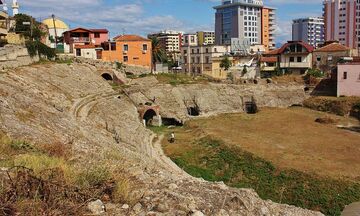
{"type": "Point", "coordinates": [146, 16]}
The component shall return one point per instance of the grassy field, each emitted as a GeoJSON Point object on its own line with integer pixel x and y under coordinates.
{"type": "Point", "coordinates": [282, 153]}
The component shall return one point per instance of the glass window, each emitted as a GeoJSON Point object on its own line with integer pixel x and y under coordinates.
{"type": "Point", "coordinates": [299, 59]}
{"type": "Point", "coordinates": [126, 47]}
{"type": "Point", "coordinates": [345, 75]}
{"type": "Point", "coordinates": [126, 58]}
{"type": "Point", "coordinates": [145, 47]}
{"type": "Point", "coordinates": [292, 59]}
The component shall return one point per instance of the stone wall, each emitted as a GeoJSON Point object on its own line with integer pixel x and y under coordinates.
{"type": "Point", "coordinates": [13, 56]}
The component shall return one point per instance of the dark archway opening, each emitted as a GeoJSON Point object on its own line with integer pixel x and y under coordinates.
{"type": "Point", "coordinates": [171, 122]}
{"type": "Point", "coordinates": [107, 77]}
{"type": "Point", "coordinates": [251, 107]}
{"type": "Point", "coordinates": [149, 117]}
{"type": "Point", "coordinates": [193, 111]}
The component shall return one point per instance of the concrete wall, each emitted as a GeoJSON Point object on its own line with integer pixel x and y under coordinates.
{"type": "Point", "coordinates": [135, 54]}
{"type": "Point", "coordinates": [12, 56]}
{"type": "Point", "coordinates": [349, 84]}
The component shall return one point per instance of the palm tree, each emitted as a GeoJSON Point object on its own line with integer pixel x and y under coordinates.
{"type": "Point", "coordinates": [158, 53]}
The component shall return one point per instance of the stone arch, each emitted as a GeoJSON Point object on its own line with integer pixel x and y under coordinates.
{"type": "Point", "coordinates": [107, 77]}
{"type": "Point", "coordinates": [148, 116]}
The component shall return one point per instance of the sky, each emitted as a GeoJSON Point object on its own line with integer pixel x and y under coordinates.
{"type": "Point", "coordinates": [147, 16]}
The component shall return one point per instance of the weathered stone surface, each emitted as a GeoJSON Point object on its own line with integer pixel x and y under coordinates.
{"type": "Point", "coordinates": [96, 207]}
{"type": "Point", "coordinates": [94, 121]}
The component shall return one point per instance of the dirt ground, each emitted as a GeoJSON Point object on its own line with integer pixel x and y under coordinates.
{"type": "Point", "coordinates": [290, 138]}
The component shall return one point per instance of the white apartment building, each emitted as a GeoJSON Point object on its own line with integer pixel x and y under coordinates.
{"type": "Point", "coordinates": [198, 59]}
{"type": "Point", "coordinates": [309, 30]}
{"type": "Point", "coordinates": [170, 40]}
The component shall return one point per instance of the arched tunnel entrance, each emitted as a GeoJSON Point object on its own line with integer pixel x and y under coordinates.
{"type": "Point", "coordinates": [149, 116]}
{"type": "Point", "coordinates": [107, 77]}
{"type": "Point", "coordinates": [193, 111]}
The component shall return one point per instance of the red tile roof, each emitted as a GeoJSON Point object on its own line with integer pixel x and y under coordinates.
{"type": "Point", "coordinates": [99, 30]}
{"type": "Point", "coordinates": [130, 38]}
{"type": "Point", "coordinates": [307, 46]}
{"type": "Point", "coordinates": [268, 59]}
{"type": "Point", "coordinates": [333, 47]}
{"type": "Point", "coordinates": [90, 46]}
{"type": "Point", "coordinates": [272, 52]}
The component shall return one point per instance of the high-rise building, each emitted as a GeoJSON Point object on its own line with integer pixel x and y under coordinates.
{"type": "Point", "coordinates": [268, 27]}
{"type": "Point", "coordinates": [309, 30]}
{"type": "Point", "coordinates": [206, 37]}
{"type": "Point", "coordinates": [342, 22]}
{"type": "Point", "coordinates": [239, 19]}
{"type": "Point", "coordinates": [248, 22]}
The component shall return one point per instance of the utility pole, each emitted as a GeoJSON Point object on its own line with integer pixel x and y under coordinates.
{"type": "Point", "coordinates": [53, 18]}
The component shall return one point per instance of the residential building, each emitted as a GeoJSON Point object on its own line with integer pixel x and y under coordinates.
{"type": "Point", "coordinates": [56, 28]}
{"type": "Point", "coordinates": [295, 57]}
{"type": "Point", "coordinates": [206, 37]}
{"type": "Point", "coordinates": [328, 56]}
{"type": "Point", "coordinates": [190, 40]}
{"type": "Point", "coordinates": [169, 40]}
{"type": "Point", "coordinates": [4, 18]}
{"type": "Point", "coordinates": [342, 22]}
{"type": "Point", "coordinates": [268, 27]}
{"type": "Point", "coordinates": [348, 79]}
{"type": "Point", "coordinates": [238, 19]}
{"type": "Point", "coordinates": [268, 65]}
{"type": "Point", "coordinates": [88, 51]}
{"type": "Point", "coordinates": [128, 49]}
{"type": "Point", "coordinates": [309, 30]}
{"type": "Point", "coordinates": [82, 36]}
{"type": "Point", "coordinates": [198, 59]}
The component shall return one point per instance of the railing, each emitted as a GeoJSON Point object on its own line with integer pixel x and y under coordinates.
{"type": "Point", "coordinates": [295, 65]}
{"type": "Point", "coordinates": [80, 39]}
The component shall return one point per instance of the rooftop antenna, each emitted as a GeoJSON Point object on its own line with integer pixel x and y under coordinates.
{"type": "Point", "coordinates": [53, 18]}
{"type": "Point", "coordinates": [123, 31]}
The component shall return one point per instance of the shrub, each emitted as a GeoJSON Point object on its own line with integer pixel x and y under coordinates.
{"type": "Point", "coordinates": [57, 149]}
{"type": "Point", "coordinates": [326, 120]}
{"type": "Point", "coordinates": [315, 73]}
{"type": "Point", "coordinates": [37, 48]}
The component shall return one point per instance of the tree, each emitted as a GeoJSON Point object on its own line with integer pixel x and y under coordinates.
{"type": "Point", "coordinates": [158, 53]}
{"type": "Point", "coordinates": [28, 26]}
{"type": "Point", "coordinates": [225, 63]}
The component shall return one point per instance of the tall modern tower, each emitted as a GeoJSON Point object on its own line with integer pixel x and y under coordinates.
{"type": "Point", "coordinates": [239, 19]}
{"type": "Point", "coordinates": [309, 30]}
{"type": "Point", "coordinates": [15, 7]}
{"type": "Point", "coordinates": [342, 20]}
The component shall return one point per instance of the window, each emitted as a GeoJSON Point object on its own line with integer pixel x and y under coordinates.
{"type": "Point", "coordinates": [330, 58]}
{"type": "Point", "coordinates": [198, 50]}
{"type": "Point", "coordinates": [113, 46]}
{"type": "Point", "coordinates": [185, 52]}
{"type": "Point", "coordinates": [207, 59]}
{"type": "Point", "coordinates": [345, 75]}
{"type": "Point", "coordinates": [207, 50]}
{"type": "Point", "coordinates": [198, 60]}
{"type": "Point", "coordinates": [145, 47]}
{"type": "Point", "coordinates": [318, 58]}
{"type": "Point", "coordinates": [96, 35]}
{"type": "Point", "coordinates": [126, 59]}
{"type": "Point", "coordinates": [299, 59]}
{"type": "Point", "coordinates": [292, 59]}
{"type": "Point", "coordinates": [126, 47]}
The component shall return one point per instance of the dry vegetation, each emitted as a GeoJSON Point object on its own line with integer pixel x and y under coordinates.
{"type": "Point", "coordinates": [339, 106]}
{"type": "Point", "coordinates": [41, 180]}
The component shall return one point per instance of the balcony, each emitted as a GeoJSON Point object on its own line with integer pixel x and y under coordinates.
{"type": "Point", "coordinates": [80, 39]}
{"type": "Point", "coordinates": [295, 65]}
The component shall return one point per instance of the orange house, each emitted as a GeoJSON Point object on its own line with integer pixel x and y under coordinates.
{"type": "Point", "coordinates": [128, 49]}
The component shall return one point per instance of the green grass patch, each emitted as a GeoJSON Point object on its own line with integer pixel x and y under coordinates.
{"type": "Point", "coordinates": [212, 160]}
